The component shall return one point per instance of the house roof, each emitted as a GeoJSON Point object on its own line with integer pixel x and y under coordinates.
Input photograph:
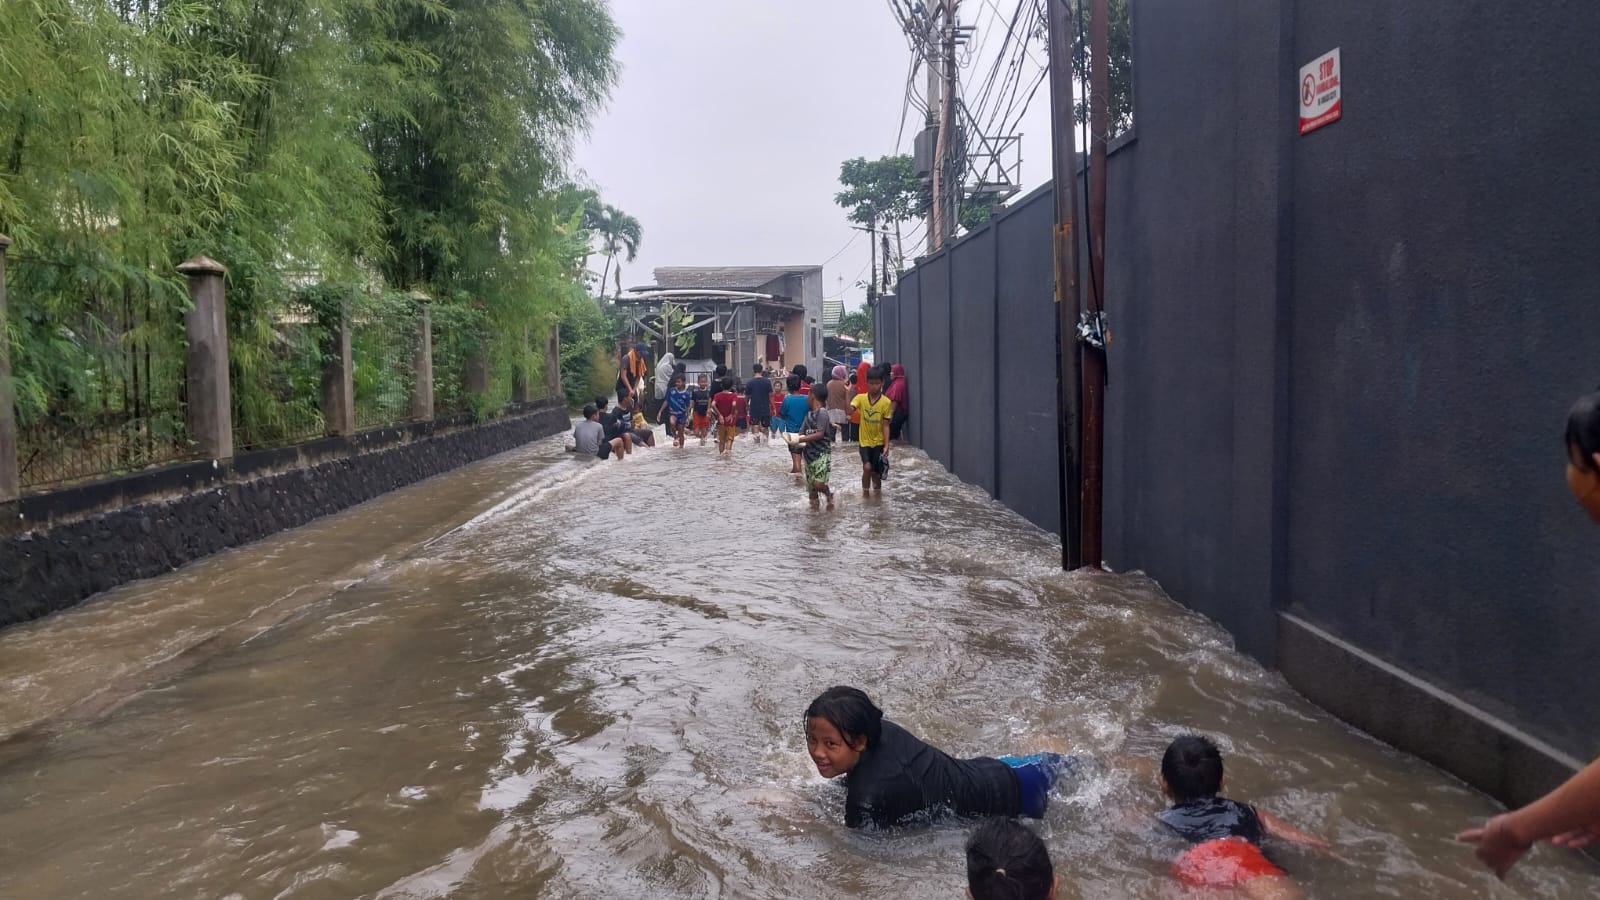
{"type": "Point", "coordinates": [832, 312]}
{"type": "Point", "coordinates": [724, 278]}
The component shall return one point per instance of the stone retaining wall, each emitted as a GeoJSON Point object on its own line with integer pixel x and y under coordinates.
{"type": "Point", "coordinates": [58, 549]}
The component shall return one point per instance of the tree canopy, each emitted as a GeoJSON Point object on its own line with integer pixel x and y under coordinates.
{"type": "Point", "coordinates": [882, 191]}
{"type": "Point", "coordinates": [378, 145]}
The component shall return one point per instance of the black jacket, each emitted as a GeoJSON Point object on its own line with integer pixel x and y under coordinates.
{"type": "Point", "coordinates": [900, 776]}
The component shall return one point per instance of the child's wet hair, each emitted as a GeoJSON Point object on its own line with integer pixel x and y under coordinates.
{"type": "Point", "coordinates": [1192, 767]}
{"type": "Point", "coordinates": [877, 373]}
{"type": "Point", "coordinates": [1006, 860]}
{"type": "Point", "coordinates": [794, 384]}
{"type": "Point", "coordinates": [1583, 431]}
{"type": "Point", "coordinates": [851, 711]}
{"type": "Point", "coordinates": [589, 410]}
{"type": "Point", "coordinates": [820, 393]}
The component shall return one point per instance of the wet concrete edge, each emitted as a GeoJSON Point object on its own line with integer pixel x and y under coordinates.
{"type": "Point", "coordinates": [53, 568]}
{"type": "Point", "coordinates": [1420, 718]}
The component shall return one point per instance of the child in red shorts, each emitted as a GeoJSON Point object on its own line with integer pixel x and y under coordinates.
{"type": "Point", "coordinates": [1226, 834]}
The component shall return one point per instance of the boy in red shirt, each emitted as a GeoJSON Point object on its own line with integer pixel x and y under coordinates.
{"type": "Point", "coordinates": [725, 406]}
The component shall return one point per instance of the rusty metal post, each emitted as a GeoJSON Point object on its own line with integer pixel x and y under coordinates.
{"type": "Point", "coordinates": [1094, 357]}
{"type": "Point", "coordinates": [208, 414]}
{"type": "Point", "coordinates": [338, 378]}
{"type": "Point", "coordinates": [1068, 352]}
{"type": "Point", "coordinates": [10, 483]}
{"type": "Point", "coordinates": [422, 361]}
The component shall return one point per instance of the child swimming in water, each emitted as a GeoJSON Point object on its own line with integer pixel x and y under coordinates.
{"type": "Point", "coordinates": [1226, 834]}
{"type": "Point", "coordinates": [894, 777]}
{"type": "Point", "coordinates": [1007, 861]}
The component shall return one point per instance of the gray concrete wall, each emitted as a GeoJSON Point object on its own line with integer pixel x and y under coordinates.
{"type": "Point", "coordinates": [69, 545]}
{"type": "Point", "coordinates": [1341, 362]}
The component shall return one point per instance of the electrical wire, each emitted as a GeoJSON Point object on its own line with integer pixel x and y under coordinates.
{"type": "Point", "coordinates": [847, 245]}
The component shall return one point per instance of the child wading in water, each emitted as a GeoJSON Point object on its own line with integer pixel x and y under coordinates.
{"type": "Point", "coordinates": [702, 408]}
{"type": "Point", "coordinates": [1007, 861]}
{"type": "Point", "coordinates": [725, 405]}
{"type": "Point", "coordinates": [895, 778]}
{"type": "Point", "coordinates": [792, 414]}
{"type": "Point", "coordinates": [1226, 834]}
{"type": "Point", "coordinates": [875, 410]}
{"type": "Point", "coordinates": [816, 439]}
{"type": "Point", "coordinates": [677, 403]}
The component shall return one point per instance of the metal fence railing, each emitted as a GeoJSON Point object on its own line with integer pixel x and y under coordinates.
{"type": "Point", "coordinates": [101, 367]}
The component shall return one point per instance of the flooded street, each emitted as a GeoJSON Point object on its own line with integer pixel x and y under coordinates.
{"type": "Point", "coordinates": [539, 676]}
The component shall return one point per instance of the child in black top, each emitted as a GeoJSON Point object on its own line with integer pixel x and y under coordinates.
{"type": "Point", "coordinates": [895, 778]}
{"type": "Point", "coordinates": [1226, 833]}
{"type": "Point", "coordinates": [816, 443]}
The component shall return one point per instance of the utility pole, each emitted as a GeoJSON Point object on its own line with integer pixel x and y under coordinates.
{"type": "Point", "coordinates": [1094, 328]}
{"type": "Point", "coordinates": [872, 246]}
{"type": "Point", "coordinates": [888, 283]}
{"type": "Point", "coordinates": [930, 55]}
{"type": "Point", "coordinates": [945, 189]}
{"type": "Point", "coordinates": [1068, 351]}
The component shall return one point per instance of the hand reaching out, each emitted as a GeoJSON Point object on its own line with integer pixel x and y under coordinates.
{"type": "Point", "coordinates": [1499, 847]}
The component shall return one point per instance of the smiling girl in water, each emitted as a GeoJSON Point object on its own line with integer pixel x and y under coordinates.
{"type": "Point", "coordinates": [895, 777]}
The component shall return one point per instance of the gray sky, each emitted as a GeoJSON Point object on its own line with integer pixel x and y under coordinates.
{"type": "Point", "coordinates": [725, 134]}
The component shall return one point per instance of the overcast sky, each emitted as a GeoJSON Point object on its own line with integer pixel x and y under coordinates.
{"type": "Point", "coordinates": [726, 131]}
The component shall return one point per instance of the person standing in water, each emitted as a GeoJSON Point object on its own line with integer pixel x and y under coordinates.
{"type": "Point", "coordinates": [875, 411]}
{"type": "Point", "coordinates": [1568, 816]}
{"type": "Point", "coordinates": [895, 778]}
{"type": "Point", "coordinates": [816, 442]}
{"type": "Point", "coordinates": [838, 401]}
{"type": "Point", "coordinates": [759, 390]}
{"type": "Point", "coordinates": [899, 393]}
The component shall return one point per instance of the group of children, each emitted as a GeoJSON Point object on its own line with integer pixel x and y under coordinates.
{"type": "Point", "coordinates": [801, 412]}
{"type": "Point", "coordinates": [895, 778]}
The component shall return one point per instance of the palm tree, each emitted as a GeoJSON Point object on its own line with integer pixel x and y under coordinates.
{"type": "Point", "coordinates": [619, 233]}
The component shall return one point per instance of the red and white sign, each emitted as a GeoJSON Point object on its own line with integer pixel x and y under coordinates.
{"type": "Point", "coordinates": [1321, 99]}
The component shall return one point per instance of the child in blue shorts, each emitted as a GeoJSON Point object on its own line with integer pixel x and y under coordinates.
{"type": "Point", "coordinates": [895, 778]}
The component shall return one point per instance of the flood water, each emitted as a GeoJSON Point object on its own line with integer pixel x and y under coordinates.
{"type": "Point", "coordinates": [540, 676]}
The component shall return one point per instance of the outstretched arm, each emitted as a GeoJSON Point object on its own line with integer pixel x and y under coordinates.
{"type": "Point", "coordinates": [1283, 831]}
{"type": "Point", "coordinates": [1569, 815]}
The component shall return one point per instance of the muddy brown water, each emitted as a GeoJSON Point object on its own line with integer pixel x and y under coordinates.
{"type": "Point", "coordinates": [541, 677]}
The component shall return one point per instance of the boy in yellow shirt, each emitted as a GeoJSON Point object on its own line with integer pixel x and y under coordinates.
{"type": "Point", "coordinates": [875, 410]}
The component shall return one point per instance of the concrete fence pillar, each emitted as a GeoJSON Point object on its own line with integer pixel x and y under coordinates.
{"type": "Point", "coordinates": [478, 367]}
{"type": "Point", "coordinates": [10, 485]}
{"type": "Point", "coordinates": [521, 390]}
{"type": "Point", "coordinates": [208, 414]}
{"type": "Point", "coordinates": [338, 381]}
{"type": "Point", "coordinates": [552, 363]}
{"type": "Point", "coordinates": [422, 362]}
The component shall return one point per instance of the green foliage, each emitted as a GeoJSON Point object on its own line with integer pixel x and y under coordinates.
{"type": "Point", "coordinates": [678, 318]}
{"type": "Point", "coordinates": [857, 324]}
{"type": "Point", "coordinates": [885, 191]}
{"type": "Point", "coordinates": [1119, 76]}
{"type": "Point", "coordinates": [620, 235]}
{"type": "Point", "coordinates": [974, 216]}
{"type": "Point", "coordinates": [360, 146]}
{"type": "Point", "coordinates": [588, 335]}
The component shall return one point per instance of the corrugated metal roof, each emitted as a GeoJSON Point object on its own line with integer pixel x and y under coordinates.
{"type": "Point", "coordinates": [726, 278]}
{"type": "Point", "coordinates": [832, 312]}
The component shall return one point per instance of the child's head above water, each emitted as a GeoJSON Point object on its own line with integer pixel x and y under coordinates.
{"type": "Point", "coordinates": [840, 725]}
{"type": "Point", "coordinates": [1006, 860]}
{"type": "Point", "coordinates": [1191, 769]}
{"type": "Point", "coordinates": [1583, 452]}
